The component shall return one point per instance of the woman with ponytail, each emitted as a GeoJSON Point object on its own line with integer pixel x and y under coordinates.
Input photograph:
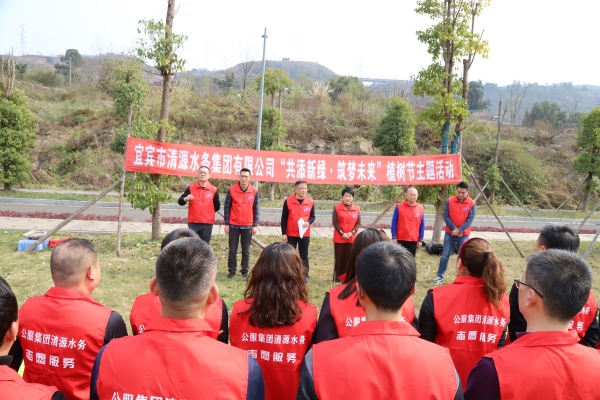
{"type": "Point", "coordinates": [470, 316]}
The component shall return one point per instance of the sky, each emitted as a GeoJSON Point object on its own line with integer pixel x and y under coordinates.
{"type": "Point", "coordinates": [543, 41]}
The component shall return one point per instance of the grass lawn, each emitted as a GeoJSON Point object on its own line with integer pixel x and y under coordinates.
{"type": "Point", "coordinates": [124, 278]}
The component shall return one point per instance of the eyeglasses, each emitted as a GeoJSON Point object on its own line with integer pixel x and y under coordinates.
{"type": "Point", "coordinates": [202, 173]}
{"type": "Point", "coordinates": [518, 284]}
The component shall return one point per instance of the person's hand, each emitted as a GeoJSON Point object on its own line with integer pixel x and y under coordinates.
{"type": "Point", "coordinates": [460, 235]}
{"type": "Point", "coordinates": [188, 198]}
{"type": "Point", "coordinates": [254, 230]}
{"type": "Point", "coordinates": [344, 236]}
{"type": "Point", "coordinates": [284, 238]}
{"type": "Point", "coordinates": [456, 232]}
{"type": "Point", "coordinates": [305, 225]}
{"type": "Point", "coordinates": [419, 244]}
{"type": "Point", "coordinates": [227, 229]}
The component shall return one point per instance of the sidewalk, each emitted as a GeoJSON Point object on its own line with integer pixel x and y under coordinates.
{"type": "Point", "coordinates": [102, 227]}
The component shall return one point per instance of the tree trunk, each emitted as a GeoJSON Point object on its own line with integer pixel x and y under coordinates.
{"type": "Point", "coordinates": [271, 190]}
{"type": "Point", "coordinates": [280, 94]}
{"type": "Point", "coordinates": [586, 195]}
{"type": "Point", "coordinates": [439, 216]}
{"type": "Point", "coordinates": [6, 186]}
{"type": "Point", "coordinates": [273, 100]}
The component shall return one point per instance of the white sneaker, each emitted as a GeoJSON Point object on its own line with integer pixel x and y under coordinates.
{"type": "Point", "coordinates": [438, 280]}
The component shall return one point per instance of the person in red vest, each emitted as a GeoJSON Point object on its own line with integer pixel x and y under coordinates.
{"type": "Point", "coordinates": [383, 357]}
{"type": "Point", "coordinates": [408, 222]}
{"type": "Point", "coordinates": [459, 214]}
{"type": "Point", "coordinates": [469, 317]}
{"type": "Point", "coordinates": [12, 386]}
{"type": "Point", "coordinates": [61, 332]}
{"type": "Point", "coordinates": [296, 207]}
{"type": "Point", "coordinates": [547, 362]}
{"type": "Point", "coordinates": [203, 200]}
{"type": "Point", "coordinates": [346, 222]}
{"type": "Point", "coordinates": [585, 323]}
{"type": "Point", "coordinates": [242, 213]}
{"type": "Point", "coordinates": [274, 321]}
{"type": "Point", "coordinates": [147, 306]}
{"type": "Point", "coordinates": [176, 357]}
{"type": "Point", "coordinates": [341, 310]}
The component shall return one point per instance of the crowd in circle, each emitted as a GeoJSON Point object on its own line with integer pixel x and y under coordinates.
{"type": "Point", "coordinates": [470, 340]}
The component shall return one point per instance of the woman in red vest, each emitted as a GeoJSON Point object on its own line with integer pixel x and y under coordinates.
{"type": "Point", "coordinates": [346, 221]}
{"type": "Point", "coordinates": [340, 311]}
{"type": "Point", "coordinates": [274, 322]}
{"type": "Point", "coordinates": [470, 316]}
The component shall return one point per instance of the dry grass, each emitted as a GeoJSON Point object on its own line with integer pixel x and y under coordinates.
{"type": "Point", "coordinates": [124, 278]}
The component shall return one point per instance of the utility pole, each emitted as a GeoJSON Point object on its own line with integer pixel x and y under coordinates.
{"type": "Point", "coordinates": [70, 62]}
{"type": "Point", "coordinates": [262, 92]}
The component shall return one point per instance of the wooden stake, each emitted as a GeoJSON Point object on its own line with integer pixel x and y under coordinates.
{"type": "Point", "coordinates": [396, 200]}
{"type": "Point", "coordinates": [122, 191]}
{"type": "Point", "coordinates": [516, 198]}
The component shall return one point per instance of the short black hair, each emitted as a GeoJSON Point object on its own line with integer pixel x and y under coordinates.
{"type": "Point", "coordinates": [184, 269]}
{"type": "Point", "coordinates": [563, 278]}
{"type": "Point", "coordinates": [348, 190]}
{"type": "Point", "coordinates": [561, 237]}
{"type": "Point", "coordinates": [462, 185]}
{"type": "Point", "coordinates": [71, 259]}
{"type": "Point", "coordinates": [177, 234]}
{"type": "Point", "coordinates": [9, 308]}
{"type": "Point", "coordinates": [300, 182]}
{"type": "Point", "coordinates": [245, 170]}
{"type": "Point", "coordinates": [204, 166]}
{"type": "Point", "coordinates": [387, 273]}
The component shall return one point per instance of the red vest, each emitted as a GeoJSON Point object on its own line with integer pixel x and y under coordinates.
{"type": "Point", "coordinates": [547, 365]}
{"type": "Point", "coordinates": [584, 318]}
{"type": "Point", "coordinates": [346, 314]}
{"type": "Point", "coordinates": [201, 209]}
{"type": "Point", "coordinates": [409, 221]}
{"type": "Point", "coordinates": [295, 212]}
{"type": "Point", "coordinates": [173, 359]}
{"type": "Point", "coordinates": [459, 213]}
{"type": "Point", "coordinates": [61, 334]}
{"type": "Point", "coordinates": [13, 387]}
{"type": "Point", "coordinates": [467, 323]}
{"type": "Point", "coordinates": [279, 351]}
{"type": "Point", "coordinates": [242, 205]}
{"type": "Point", "coordinates": [147, 307]}
{"type": "Point", "coordinates": [347, 220]}
{"type": "Point", "coordinates": [372, 363]}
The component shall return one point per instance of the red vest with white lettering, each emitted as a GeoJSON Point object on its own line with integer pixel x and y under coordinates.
{"type": "Point", "coordinates": [279, 351]}
{"type": "Point", "coordinates": [13, 387]}
{"type": "Point", "coordinates": [61, 334]}
{"type": "Point", "coordinates": [242, 205]}
{"type": "Point", "coordinates": [346, 314]}
{"type": "Point", "coordinates": [347, 220]}
{"type": "Point", "coordinates": [147, 306]}
{"type": "Point", "coordinates": [409, 221]}
{"type": "Point", "coordinates": [295, 212]}
{"type": "Point", "coordinates": [459, 212]}
{"type": "Point", "coordinates": [201, 209]}
{"type": "Point", "coordinates": [467, 323]}
{"type": "Point", "coordinates": [383, 360]}
{"type": "Point", "coordinates": [584, 318]}
{"type": "Point", "coordinates": [173, 359]}
{"type": "Point", "coordinates": [547, 365]}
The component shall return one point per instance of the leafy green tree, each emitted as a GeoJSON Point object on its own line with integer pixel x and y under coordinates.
{"type": "Point", "coordinates": [276, 80]}
{"type": "Point", "coordinates": [17, 137]}
{"type": "Point", "coordinates": [396, 133]}
{"type": "Point", "coordinates": [351, 85]}
{"type": "Point", "coordinates": [226, 84]}
{"type": "Point", "coordinates": [476, 101]}
{"type": "Point", "coordinates": [46, 78]}
{"type": "Point", "coordinates": [71, 57]}
{"type": "Point", "coordinates": [547, 112]}
{"type": "Point", "coordinates": [588, 140]}
{"type": "Point", "coordinates": [127, 85]}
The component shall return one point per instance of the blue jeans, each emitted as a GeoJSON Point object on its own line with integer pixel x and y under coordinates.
{"type": "Point", "coordinates": [449, 241]}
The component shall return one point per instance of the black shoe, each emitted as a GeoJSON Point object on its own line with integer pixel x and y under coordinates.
{"type": "Point", "coordinates": [230, 275]}
{"type": "Point", "coordinates": [244, 275]}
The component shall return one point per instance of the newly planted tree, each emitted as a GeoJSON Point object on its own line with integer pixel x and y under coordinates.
{"type": "Point", "coordinates": [588, 161]}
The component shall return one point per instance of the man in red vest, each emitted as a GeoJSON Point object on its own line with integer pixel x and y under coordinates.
{"type": "Point", "coordinates": [12, 386]}
{"type": "Point", "coordinates": [203, 199]}
{"type": "Point", "coordinates": [62, 331]}
{"type": "Point", "coordinates": [371, 363]}
{"type": "Point", "coordinates": [459, 214]}
{"type": "Point", "coordinates": [585, 323]}
{"type": "Point", "coordinates": [547, 362]}
{"type": "Point", "coordinates": [242, 213]}
{"type": "Point", "coordinates": [408, 222]}
{"type": "Point", "coordinates": [176, 357]}
{"type": "Point", "coordinates": [295, 207]}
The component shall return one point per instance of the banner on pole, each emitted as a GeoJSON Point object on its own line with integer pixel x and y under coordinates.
{"type": "Point", "coordinates": [270, 166]}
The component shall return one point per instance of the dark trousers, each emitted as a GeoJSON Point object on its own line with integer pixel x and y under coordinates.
{"type": "Point", "coordinates": [410, 246]}
{"type": "Point", "coordinates": [302, 244]}
{"type": "Point", "coordinates": [203, 230]}
{"type": "Point", "coordinates": [235, 234]}
{"type": "Point", "coordinates": [342, 255]}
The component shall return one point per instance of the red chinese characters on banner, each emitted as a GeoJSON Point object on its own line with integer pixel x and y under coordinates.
{"type": "Point", "coordinates": [269, 166]}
